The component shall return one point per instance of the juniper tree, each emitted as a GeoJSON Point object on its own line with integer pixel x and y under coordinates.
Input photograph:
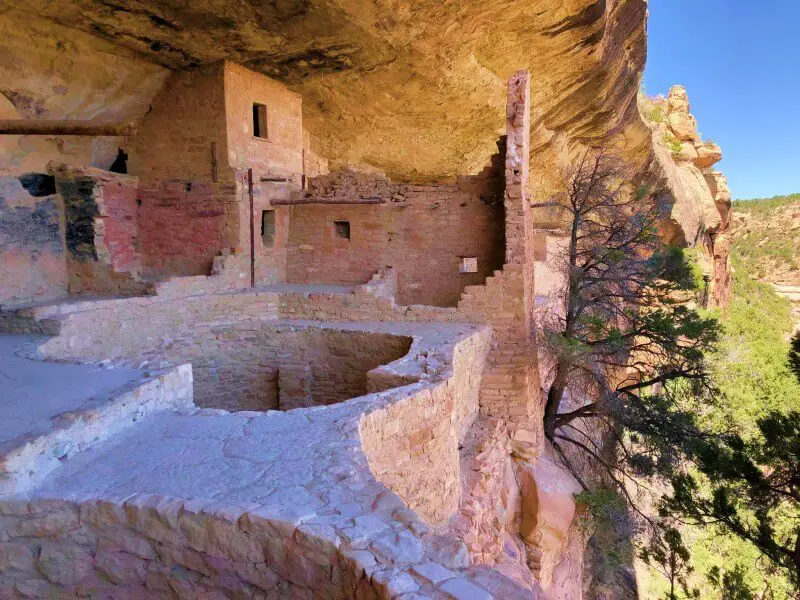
{"type": "Point", "coordinates": [668, 554]}
{"type": "Point", "coordinates": [628, 377]}
{"type": "Point", "coordinates": [750, 488]}
{"type": "Point", "coordinates": [621, 330]}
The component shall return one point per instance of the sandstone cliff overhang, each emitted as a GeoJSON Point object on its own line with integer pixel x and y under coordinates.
{"type": "Point", "coordinates": [416, 89]}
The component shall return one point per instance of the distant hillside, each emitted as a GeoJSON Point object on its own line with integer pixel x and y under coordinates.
{"type": "Point", "coordinates": [766, 236]}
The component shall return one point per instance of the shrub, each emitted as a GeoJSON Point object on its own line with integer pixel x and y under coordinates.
{"type": "Point", "coordinates": [673, 144]}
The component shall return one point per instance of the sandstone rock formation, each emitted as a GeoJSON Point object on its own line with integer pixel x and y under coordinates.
{"type": "Point", "coordinates": [416, 89]}
{"type": "Point", "coordinates": [422, 224]}
{"type": "Point", "coordinates": [698, 195]}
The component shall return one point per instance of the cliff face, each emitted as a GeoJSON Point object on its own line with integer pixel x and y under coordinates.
{"type": "Point", "coordinates": [698, 197]}
{"type": "Point", "coordinates": [416, 89]}
{"type": "Point", "coordinates": [766, 234]}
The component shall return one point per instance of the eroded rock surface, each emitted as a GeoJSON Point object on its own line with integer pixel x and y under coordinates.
{"type": "Point", "coordinates": [428, 73]}
{"type": "Point", "coordinates": [698, 195]}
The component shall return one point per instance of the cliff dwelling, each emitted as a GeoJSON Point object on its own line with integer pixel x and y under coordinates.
{"type": "Point", "coordinates": [270, 284]}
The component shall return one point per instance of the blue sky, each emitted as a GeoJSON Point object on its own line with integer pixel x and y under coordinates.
{"type": "Point", "coordinates": [740, 63]}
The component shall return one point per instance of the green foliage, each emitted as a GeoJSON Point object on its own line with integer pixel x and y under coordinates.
{"type": "Point", "coordinates": [602, 505]}
{"type": "Point", "coordinates": [692, 258]}
{"type": "Point", "coordinates": [758, 391]}
{"type": "Point", "coordinates": [759, 249]}
{"type": "Point", "coordinates": [673, 144]}
{"type": "Point", "coordinates": [652, 108]}
{"type": "Point", "coordinates": [669, 555]}
{"type": "Point", "coordinates": [657, 114]}
{"type": "Point", "coordinates": [767, 244]}
{"type": "Point", "coordinates": [739, 478]}
{"type": "Point", "coordinates": [764, 205]}
{"type": "Point", "coordinates": [794, 355]}
{"type": "Point", "coordinates": [748, 488]}
{"type": "Point", "coordinates": [604, 514]}
{"type": "Point", "coordinates": [750, 366]}
{"type": "Point", "coordinates": [731, 584]}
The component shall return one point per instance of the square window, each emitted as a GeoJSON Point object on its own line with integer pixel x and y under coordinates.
{"type": "Point", "coordinates": [469, 264]}
{"type": "Point", "coordinates": [268, 228]}
{"type": "Point", "coordinates": [342, 229]}
{"type": "Point", "coordinates": [260, 121]}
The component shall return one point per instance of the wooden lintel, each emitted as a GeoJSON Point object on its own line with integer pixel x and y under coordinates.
{"type": "Point", "coordinates": [325, 200]}
{"type": "Point", "coordinates": [54, 127]}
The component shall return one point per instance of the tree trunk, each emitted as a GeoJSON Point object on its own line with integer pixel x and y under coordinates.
{"type": "Point", "coordinates": [554, 397]}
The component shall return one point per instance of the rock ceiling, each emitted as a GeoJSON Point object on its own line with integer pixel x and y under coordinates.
{"type": "Point", "coordinates": [413, 87]}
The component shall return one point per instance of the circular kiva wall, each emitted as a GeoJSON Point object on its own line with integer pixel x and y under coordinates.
{"type": "Point", "coordinates": [281, 367]}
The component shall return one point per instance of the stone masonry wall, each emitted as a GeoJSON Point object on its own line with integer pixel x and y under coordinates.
{"type": "Point", "coordinates": [193, 153]}
{"type": "Point", "coordinates": [157, 547]}
{"type": "Point", "coordinates": [424, 431]}
{"type": "Point", "coordinates": [188, 212]}
{"type": "Point", "coordinates": [233, 343]}
{"type": "Point", "coordinates": [32, 257]}
{"type": "Point", "coordinates": [282, 148]}
{"type": "Point", "coordinates": [422, 231]}
{"type": "Point", "coordinates": [101, 230]}
{"type": "Point", "coordinates": [239, 367]}
{"type": "Point", "coordinates": [276, 162]}
{"type": "Point", "coordinates": [183, 226]}
{"type": "Point", "coordinates": [183, 136]}
{"type": "Point", "coordinates": [510, 387]}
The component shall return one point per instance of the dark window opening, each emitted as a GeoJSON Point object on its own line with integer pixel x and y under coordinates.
{"type": "Point", "coordinates": [260, 120]}
{"type": "Point", "coordinates": [268, 228]}
{"type": "Point", "coordinates": [342, 229]}
{"type": "Point", "coordinates": [120, 164]}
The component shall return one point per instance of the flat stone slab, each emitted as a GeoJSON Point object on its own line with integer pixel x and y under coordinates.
{"type": "Point", "coordinates": [308, 288]}
{"type": "Point", "coordinates": [50, 411]}
{"type": "Point", "coordinates": [33, 392]}
{"type": "Point", "coordinates": [303, 470]}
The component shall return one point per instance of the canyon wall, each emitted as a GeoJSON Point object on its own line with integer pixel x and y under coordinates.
{"type": "Point", "coordinates": [405, 102]}
{"type": "Point", "coordinates": [416, 90]}
{"type": "Point", "coordinates": [697, 195]}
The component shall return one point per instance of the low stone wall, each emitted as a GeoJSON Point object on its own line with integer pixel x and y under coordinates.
{"type": "Point", "coordinates": [337, 534]}
{"type": "Point", "coordinates": [142, 327]}
{"type": "Point", "coordinates": [237, 349]}
{"type": "Point", "coordinates": [25, 462]}
{"type": "Point", "coordinates": [150, 546]}
{"type": "Point", "coordinates": [424, 430]}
